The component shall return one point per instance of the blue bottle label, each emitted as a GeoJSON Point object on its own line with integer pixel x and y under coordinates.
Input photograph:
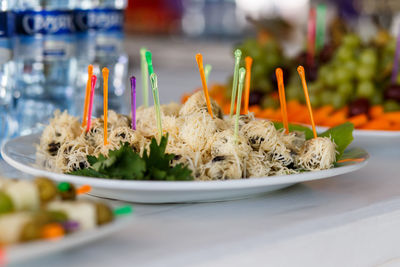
{"type": "Point", "coordinates": [6, 24]}
{"type": "Point", "coordinates": [106, 20]}
{"type": "Point", "coordinates": [54, 22]}
{"type": "Point", "coordinates": [47, 32]}
{"type": "Point", "coordinates": [6, 34]}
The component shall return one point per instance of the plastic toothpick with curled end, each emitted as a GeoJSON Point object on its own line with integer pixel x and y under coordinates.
{"type": "Point", "coordinates": [105, 72]}
{"type": "Point", "coordinates": [238, 55]}
{"type": "Point", "coordinates": [145, 76]}
{"type": "Point", "coordinates": [87, 96]}
{"type": "Point", "coordinates": [249, 62]}
{"type": "Point", "coordinates": [149, 63]}
{"type": "Point", "coordinates": [89, 117]}
{"type": "Point", "coordinates": [123, 210]}
{"type": "Point", "coordinates": [133, 102]}
{"type": "Point", "coordinates": [154, 88]}
{"type": "Point", "coordinates": [199, 59]}
{"type": "Point", "coordinates": [282, 98]}
{"type": "Point", "coordinates": [300, 70]}
{"type": "Point", "coordinates": [242, 74]}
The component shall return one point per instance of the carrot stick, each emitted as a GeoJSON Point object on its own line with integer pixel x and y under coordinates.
{"type": "Point", "coordinates": [255, 109]}
{"type": "Point", "coordinates": [87, 95]}
{"type": "Point", "coordinates": [282, 98]}
{"type": "Point", "coordinates": [376, 111]}
{"type": "Point", "coordinates": [105, 102]}
{"type": "Point", "coordinates": [392, 116]}
{"type": "Point", "coordinates": [300, 70]}
{"type": "Point", "coordinates": [267, 113]}
{"type": "Point", "coordinates": [249, 62]}
{"type": "Point", "coordinates": [377, 124]}
{"type": "Point", "coordinates": [322, 114]}
{"type": "Point", "coordinates": [199, 59]}
{"type": "Point", "coordinates": [337, 118]}
{"type": "Point", "coordinates": [359, 120]}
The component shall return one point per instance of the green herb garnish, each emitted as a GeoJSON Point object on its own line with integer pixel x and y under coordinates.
{"type": "Point", "coordinates": [125, 164]}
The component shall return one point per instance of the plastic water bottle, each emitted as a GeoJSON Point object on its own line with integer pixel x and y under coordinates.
{"type": "Point", "coordinates": [45, 60]}
{"type": "Point", "coordinates": [7, 122]}
{"type": "Point", "coordinates": [108, 21]}
{"type": "Point", "coordinates": [84, 23]}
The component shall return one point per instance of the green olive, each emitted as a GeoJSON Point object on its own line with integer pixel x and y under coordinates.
{"type": "Point", "coordinates": [58, 216]}
{"type": "Point", "coordinates": [6, 204]}
{"type": "Point", "coordinates": [30, 231]}
{"type": "Point", "coordinates": [104, 214]}
{"type": "Point", "coordinates": [47, 189]}
{"type": "Point", "coordinates": [67, 192]}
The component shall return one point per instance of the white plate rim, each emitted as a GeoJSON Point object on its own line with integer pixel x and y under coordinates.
{"type": "Point", "coordinates": [182, 185]}
{"type": "Point", "coordinates": [365, 133]}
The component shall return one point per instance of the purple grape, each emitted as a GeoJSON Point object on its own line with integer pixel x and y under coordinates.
{"type": "Point", "coordinates": [393, 92]}
{"type": "Point", "coordinates": [359, 106]}
{"type": "Point", "coordinates": [326, 53]}
{"type": "Point", "coordinates": [255, 97]}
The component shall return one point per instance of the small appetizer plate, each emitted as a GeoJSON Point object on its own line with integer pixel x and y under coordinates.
{"type": "Point", "coordinates": [21, 253]}
{"type": "Point", "coordinates": [21, 154]}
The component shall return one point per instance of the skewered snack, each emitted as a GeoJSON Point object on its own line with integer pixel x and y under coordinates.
{"type": "Point", "coordinates": [40, 209]}
{"type": "Point", "coordinates": [24, 195]}
{"type": "Point", "coordinates": [206, 145]}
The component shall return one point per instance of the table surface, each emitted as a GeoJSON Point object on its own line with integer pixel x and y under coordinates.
{"type": "Point", "coordinates": [349, 220]}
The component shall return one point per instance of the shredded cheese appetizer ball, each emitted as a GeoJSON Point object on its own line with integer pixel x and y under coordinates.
{"type": "Point", "coordinates": [207, 145]}
{"type": "Point", "coordinates": [317, 154]}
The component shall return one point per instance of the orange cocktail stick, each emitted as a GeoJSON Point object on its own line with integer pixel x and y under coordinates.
{"type": "Point", "coordinates": [87, 95]}
{"type": "Point", "coordinates": [351, 160]}
{"type": "Point", "coordinates": [52, 231]}
{"type": "Point", "coordinates": [83, 189]}
{"type": "Point", "coordinates": [300, 70]}
{"type": "Point", "coordinates": [199, 59]}
{"type": "Point", "coordinates": [105, 101]}
{"type": "Point", "coordinates": [282, 98]}
{"type": "Point", "coordinates": [249, 62]}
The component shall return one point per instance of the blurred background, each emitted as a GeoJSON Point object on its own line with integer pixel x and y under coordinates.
{"type": "Point", "coordinates": [347, 47]}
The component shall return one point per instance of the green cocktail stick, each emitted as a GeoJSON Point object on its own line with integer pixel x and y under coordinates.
{"type": "Point", "coordinates": [238, 54]}
{"type": "Point", "coordinates": [207, 70]}
{"type": "Point", "coordinates": [242, 74]}
{"type": "Point", "coordinates": [149, 63]}
{"type": "Point", "coordinates": [154, 87]}
{"type": "Point", "coordinates": [145, 76]}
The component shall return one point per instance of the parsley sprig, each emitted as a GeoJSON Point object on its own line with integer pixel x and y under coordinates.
{"type": "Point", "coordinates": [125, 164]}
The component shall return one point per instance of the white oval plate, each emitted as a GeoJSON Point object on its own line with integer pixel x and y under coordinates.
{"type": "Point", "coordinates": [20, 153]}
{"type": "Point", "coordinates": [366, 138]}
{"type": "Point", "coordinates": [28, 251]}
